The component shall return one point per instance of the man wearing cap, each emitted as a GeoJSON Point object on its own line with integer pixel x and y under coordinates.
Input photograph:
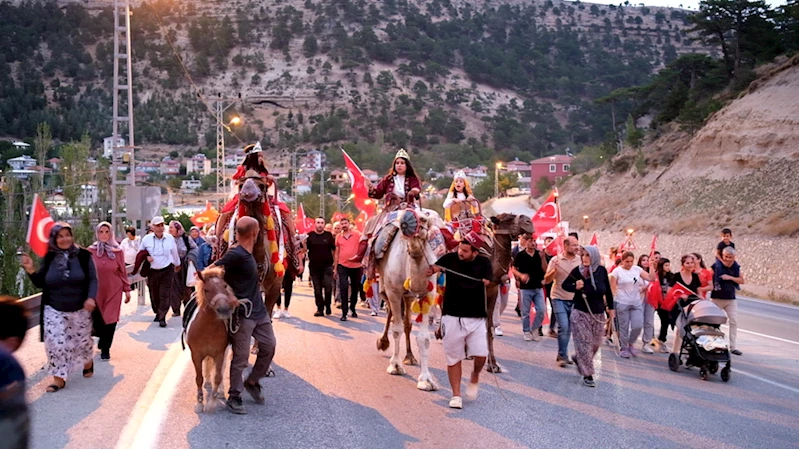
{"type": "Point", "coordinates": [164, 261]}
{"type": "Point", "coordinates": [463, 324]}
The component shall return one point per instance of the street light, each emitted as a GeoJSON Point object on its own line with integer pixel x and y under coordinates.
{"type": "Point", "coordinates": [234, 121]}
{"type": "Point", "coordinates": [496, 179]}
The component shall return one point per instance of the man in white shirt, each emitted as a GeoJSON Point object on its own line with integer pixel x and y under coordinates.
{"type": "Point", "coordinates": [164, 261]}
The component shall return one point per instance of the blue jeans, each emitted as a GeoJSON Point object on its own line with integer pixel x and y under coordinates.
{"type": "Point", "coordinates": [529, 297]}
{"type": "Point", "coordinates": [563, 310]}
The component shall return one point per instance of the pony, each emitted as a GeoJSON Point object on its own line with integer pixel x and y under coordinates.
{"type": "Point", "coordinates": [207, 333]}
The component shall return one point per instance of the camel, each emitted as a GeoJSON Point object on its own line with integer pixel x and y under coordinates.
{"type": "Point", "coordinates": [407, 258]}
{"type": "Point", "coordinates": [506, 228]}
{"type": "Point", "coordinates": [252, 195]}
{"type": "Point", "coordinates": [207, 333]}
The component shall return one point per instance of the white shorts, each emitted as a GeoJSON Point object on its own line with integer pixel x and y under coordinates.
{"type": "Point", "coordinates": [464, 337]}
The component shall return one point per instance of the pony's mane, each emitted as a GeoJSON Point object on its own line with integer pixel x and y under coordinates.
{"type": "Point", "coordinates": [208, 274]}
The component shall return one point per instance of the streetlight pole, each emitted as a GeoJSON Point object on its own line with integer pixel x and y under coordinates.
{"type": "Point", "coordinates": [496, 179]}
{"type": "Point", "coordinates": [221, 126]}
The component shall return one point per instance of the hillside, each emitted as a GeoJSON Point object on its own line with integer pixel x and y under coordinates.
{"type": "Point", "coordinates": [738, 171]}
{"type": "Point", "coordinates": [502, 78]}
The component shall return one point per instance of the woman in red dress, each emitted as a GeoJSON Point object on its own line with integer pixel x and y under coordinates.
{"type": "Point", "coordinates": [109, 261]}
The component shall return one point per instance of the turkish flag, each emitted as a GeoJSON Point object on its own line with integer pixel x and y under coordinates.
{"type": "Point", "coordinates": [207, 216]}
{"type": "Point", "coordinates": [675, 293]}
{"type": "Point", "coordinates": [39, 227]}
{"type": "Point", "coordinates": [654, 246]}
{"type": "Point", "coordinates": [594, 241]}
{"type": "Point", "coordinates": [360, 193]}
{"type": "Point", "coordinates": [555, 247]}
{"type": "Point", "coordinates": [654, 294]}
{"type": "Point", "coordinates": [303, 224]}
{"type": "Point", "coordinates": [360, 220]}
{"type": "Point", "coordinates": [548, 215]}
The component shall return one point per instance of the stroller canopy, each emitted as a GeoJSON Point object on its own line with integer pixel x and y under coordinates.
{"type": "Point", "coordinates": [706, 312]}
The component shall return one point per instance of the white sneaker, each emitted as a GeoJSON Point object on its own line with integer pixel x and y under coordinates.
{"type": "Point", "coordinates": [528, 336]}
{"type": "Point", "coordinates": [471, 391]}
{"type": "Point", "coordinates": [498, 331]}
{"type": "Point", "coordinates": [373, 314]}
{"type": "Point", "coordinates": [646, 349]}
{"type": "Point", "coordinates": [278, 313]}
{"type": "Point", "coordinates": [456, 402]}
{"type": "Point", "coordinates": [286, 314]}
{"type": "Point", "coordinates": [534, 335]}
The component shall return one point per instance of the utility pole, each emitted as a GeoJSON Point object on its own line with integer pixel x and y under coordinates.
{"type": "Point", "coordinates": [123, 83]}
{"type": "Point", "coordinates": [322, 190]}
{"type": "Point", "coordinates": [496, 179]}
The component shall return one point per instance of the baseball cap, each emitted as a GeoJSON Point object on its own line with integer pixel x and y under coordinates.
{"type": "Point", "coordinates": [157, 220]}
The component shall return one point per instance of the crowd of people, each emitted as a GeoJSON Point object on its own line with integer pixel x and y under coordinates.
{"type": "Point", "coordinates": [591, 299]}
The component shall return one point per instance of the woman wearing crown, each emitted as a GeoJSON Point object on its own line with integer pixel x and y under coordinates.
{"type": "Point", "coordinates": [399, 186]}
{"type": "Point", "coordinates": [254, 160]}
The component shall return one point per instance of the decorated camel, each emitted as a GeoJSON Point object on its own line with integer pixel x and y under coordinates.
{"type": "Point", "coordinates": [252, 196]}
{"type": "Point", "coordinates": [403, 255]}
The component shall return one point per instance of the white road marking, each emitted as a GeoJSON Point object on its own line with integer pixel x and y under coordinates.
{"type": "Point", "coordinates": [764, 336]}
{"type": "Point", "coordinates": [143, 429]}
{"type": "Point", "coordinates": [768, 381]}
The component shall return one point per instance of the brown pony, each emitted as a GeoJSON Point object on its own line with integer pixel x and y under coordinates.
{"type": "Point", "coordinates": [207, 332]}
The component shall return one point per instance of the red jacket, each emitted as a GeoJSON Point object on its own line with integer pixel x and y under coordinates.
{"type": "Point", "coordinates": [386, 186]}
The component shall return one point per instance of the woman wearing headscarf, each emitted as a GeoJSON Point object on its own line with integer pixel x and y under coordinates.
{"type": "Point", "coordinates": [187, 251]}
{"type": "Point", "coordinates": [69, 287]}
{"type": "Point", "coordinates": [592, 297]}
{"type": "Point", "coordinates": [109, 263]}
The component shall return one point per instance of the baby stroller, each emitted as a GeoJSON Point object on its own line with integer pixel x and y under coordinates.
{"type": "Point", "coordinates": [703, 343]}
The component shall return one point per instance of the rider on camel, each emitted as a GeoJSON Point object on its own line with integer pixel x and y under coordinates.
{"type": "Point", "coordinates": [460, 199]}
{"type": "Point", "coordinates": [254, 160]}
{"type": "Point", "coordinates": [399, 186]}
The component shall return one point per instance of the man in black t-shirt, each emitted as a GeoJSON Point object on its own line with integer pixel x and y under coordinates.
{"type": "Point", "coordinates": [463, 323]}
{"type": "Point", "coordinates": [241, 274]}
{"type": "Point", "coordinates": [321, 248]}
{"type": "Point", "coordinates": [529, 267]}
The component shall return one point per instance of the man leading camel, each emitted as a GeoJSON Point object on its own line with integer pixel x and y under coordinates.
{"type": "Point", "coordinates": [463, 323]}
{"type": "Point", "coordinates": [241, 274]}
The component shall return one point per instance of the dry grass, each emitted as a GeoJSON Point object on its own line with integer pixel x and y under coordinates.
{"type": "Point", "coordinates": [773, 296]}
{"type": "Point", "coordinates": [780, 224]}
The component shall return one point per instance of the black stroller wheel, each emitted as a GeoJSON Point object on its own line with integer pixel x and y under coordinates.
{"type": "Point", "coordinates": [703, 373]}
{"type": "Point", "coordinates": [713, 367]}
{"type": "Point", "coordinates": [674, 362]}
{"type": "Point", "coordinates": [725, 374]}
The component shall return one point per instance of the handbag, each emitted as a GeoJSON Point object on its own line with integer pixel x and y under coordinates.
{"type": "Point", "coordinates": [191, 272]}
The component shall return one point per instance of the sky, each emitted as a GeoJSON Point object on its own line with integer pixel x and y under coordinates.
{"type": "Point", "coordinates": [688, 4]}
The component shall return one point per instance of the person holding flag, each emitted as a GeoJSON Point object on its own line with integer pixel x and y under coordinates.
{"type": "Point", "coordinates": [684, 283]}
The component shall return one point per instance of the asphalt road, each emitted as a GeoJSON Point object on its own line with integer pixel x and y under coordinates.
{"type": "Point", "coordinates": [332, 390]}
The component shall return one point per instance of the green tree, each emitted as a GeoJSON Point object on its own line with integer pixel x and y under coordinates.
{"type": "Point", "coordinates": [42, 144]}
{"type": "Point", "coordinates": [309, 46]}
{"type": "Point", "coordinates": [635, 135]}
{"type": "Point", "coordinates": [75, 169]}
{"type": "Point", "coordinates": [485, 188]}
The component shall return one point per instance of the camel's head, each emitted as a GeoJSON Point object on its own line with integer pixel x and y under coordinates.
{"type": "Point", "coordinates": [213, 292]}
{"type": "Point", "coordinates": [514, 225]}
{"type": "Point", "coordinates": [253, 189]}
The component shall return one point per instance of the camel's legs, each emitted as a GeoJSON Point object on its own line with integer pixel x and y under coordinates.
{"type": "Point", "coordinates": [425, 381]}
{"type": "Point", "coordinates": [382, 342]}
{"type": "Point", "coordinates": [395, 366]}
{"type": "Point", "coordinates": [408, 327]}
{"type": "Point", "coordinates": [491, 365]}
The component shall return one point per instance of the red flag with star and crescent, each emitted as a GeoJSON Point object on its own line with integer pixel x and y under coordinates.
{"type": "Point", "coordinates": [548, 215]}
{"type": "Point", "coordinates": [303, 224]}
{"type": "Point", "coordinates": [205, 217]}
{"type": "Point", "coordinates": [39, 227]}
{"type": "Point", "coordinates": [594, 240]}
{"type": "Point", "coordinates": [360, 193]}
{"type": "Point", "coordinates": [676, 292]}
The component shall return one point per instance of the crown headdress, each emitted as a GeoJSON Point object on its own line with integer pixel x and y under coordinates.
{"type": "Point", "coordinates": [254, 148]}
{"type": "Point", "coordinates": [459, 174]}
{"type": "Point", "coordinates": [402, 154]}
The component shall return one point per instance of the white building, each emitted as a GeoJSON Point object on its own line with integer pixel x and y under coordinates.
{"type": "Point", "coordinates": [190, 185]}
{"type": "Point", "coordinates": [302, 187]}
{"type": "Point", "coordinates": [23, 162]}
{"type": "Point", "coordinates": [234, 158]}
{"type": "Point", "coordinates": [88, 195]}
{"type": "Point", "coordinates": [313, 160]}
{"type": "Point", "coordinates": [199, 164]}
{"type": "Point", "coordinates": [109, 144]}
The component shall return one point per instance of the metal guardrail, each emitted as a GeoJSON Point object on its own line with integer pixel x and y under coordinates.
{"type": "Point", "coordinates": [33, 303]}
